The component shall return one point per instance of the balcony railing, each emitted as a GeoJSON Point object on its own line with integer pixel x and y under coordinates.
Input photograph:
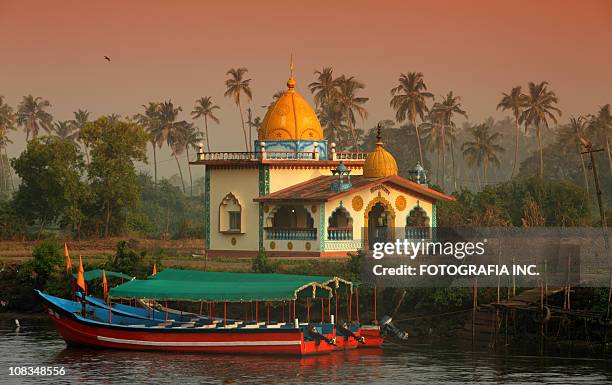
{"type": "Point", "coordinates": [279, 155]}
{"type": "Point", "coordinates": [291, 233]}
{"type": "Point", "coordinates": [339, 233]}
{"type": "Point", "coordinates": [282, 155]}
{"type": "Point", "coordinates": [417, 233]}
{"type": "Point", "coordinates": [347, 156]}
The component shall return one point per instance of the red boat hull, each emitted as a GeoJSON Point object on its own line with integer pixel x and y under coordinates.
{"type": "Point", "coordinates": [231, 341]}
{"type": "Point", "coordinates": [371, 334]}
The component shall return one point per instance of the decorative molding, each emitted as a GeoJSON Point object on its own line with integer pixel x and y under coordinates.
{"type": "Point", "coordinates": [206, 209]}
{"type": "Point", "coordinates": [346, 245]}
{"type": "Point", "coordinates": [380, 187]}
{"type": "Point", "coordinates": [400, 203]}
{"type": "Point", "coordinates": [357, 203]}
{"type": "Point", "coordinates": [322, 228]}
{"type": "Point", "coordinates": [264, 189]}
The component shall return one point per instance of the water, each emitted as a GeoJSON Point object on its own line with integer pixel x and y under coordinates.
{"type": "Point", "coordinates": [38, 344]}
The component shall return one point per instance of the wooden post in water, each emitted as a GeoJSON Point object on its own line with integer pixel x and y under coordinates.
{"type": "Point", "coordinates": [474, 304]}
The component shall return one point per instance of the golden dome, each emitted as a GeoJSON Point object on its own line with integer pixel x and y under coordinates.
{"type": "Point", "coordinates": [379, 163]}
{"type": "Point", "coordinates": [290, 118]}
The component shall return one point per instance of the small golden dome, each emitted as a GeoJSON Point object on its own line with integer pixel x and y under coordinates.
{"type": "Point", "coordinates": [290, 118]}
{"type": "Point", "coordinates": [379, 163]}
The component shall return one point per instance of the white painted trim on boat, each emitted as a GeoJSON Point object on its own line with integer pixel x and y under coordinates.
{"type": "Point", "coordinates": [187, 343]}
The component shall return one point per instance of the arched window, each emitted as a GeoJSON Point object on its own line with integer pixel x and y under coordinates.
{"type": "Point", "coordinates": [340, 225]}
{"type": "Point", "coordinates": [417, 224]}
{"type": "Point", "coordinates": [230, 215]}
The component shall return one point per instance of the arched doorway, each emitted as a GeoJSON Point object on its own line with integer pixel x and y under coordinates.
{"type": "Point", "coordinates": [379, 219]}
{"type": "Point", "coordinates": [340, 225]}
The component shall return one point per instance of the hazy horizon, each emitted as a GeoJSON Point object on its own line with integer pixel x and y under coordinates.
{"type": "Point", "coordinates": [181, 51]}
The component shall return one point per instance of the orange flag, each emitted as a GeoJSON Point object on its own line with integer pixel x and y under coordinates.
{"type": "Point", "coordinates": [154, 268]}
{"type": "Point", "coordinates": [68, 262]}
{"type": "Point", "coordinates": [104, 285]}
{"type": "Point", "coordinates": [81, 276]}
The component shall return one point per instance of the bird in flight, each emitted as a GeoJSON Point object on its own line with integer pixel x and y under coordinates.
{"type": "Point", "coordinates": [107, 58]}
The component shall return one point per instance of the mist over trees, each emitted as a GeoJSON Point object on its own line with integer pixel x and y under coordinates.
{"type": "Point", "coordinates": [78, 176]}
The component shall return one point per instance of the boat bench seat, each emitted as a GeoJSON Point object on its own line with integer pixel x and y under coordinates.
{"type": "Point", "coordinates": [274, 326]}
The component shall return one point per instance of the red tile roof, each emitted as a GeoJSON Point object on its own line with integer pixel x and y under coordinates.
{"type": "Point", "coordinates": [319, 189]}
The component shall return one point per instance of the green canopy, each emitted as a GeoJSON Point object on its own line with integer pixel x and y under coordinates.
{"type": "Point", "coordinates": [219, 290]}
{"type": "Point", "coordinates": [263, 278]}
{"type": "Point", "coordinates": [97, 274]}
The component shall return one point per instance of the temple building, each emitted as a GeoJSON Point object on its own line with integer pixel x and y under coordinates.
{"type": "Point", "coordinates": [296, 195]}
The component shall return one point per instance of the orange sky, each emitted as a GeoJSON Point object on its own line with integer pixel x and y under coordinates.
{"type": "Point", "coordinates": [182, 49]}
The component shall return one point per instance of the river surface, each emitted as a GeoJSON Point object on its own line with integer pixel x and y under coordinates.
{"type": "Point", "coordinates": [38, 344]}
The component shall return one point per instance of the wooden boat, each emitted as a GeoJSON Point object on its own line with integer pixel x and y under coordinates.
{"type": "Point", "coordinates": [199, 336]}
{"type": "Point", "coordinates": [94, 323]}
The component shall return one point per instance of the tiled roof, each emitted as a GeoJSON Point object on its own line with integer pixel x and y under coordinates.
{"type": "Point", "coordinates": [319, 189]}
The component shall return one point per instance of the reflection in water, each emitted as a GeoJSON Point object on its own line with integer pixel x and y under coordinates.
{"type": "Point", "coordinates": [37, 343]}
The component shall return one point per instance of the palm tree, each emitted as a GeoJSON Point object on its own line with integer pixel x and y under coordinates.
{"type": "Point", "coordinates": [445, 110]}
{"type": "Point", "coordinates": [150, 120]}
{"type": "Point", "coordinates": [332, 119]}
{"type": "Point", "coordinates": [350, 103]}
{"type": "Point", "coordinates": [176, 139]}
{"type": "Point", "coordinates": [205, 108]}
{"type": "Point", "coordinates": [409, 100]}
{"type": "Point", "coordinates": [540, 105]}
{"type": "Point", "coordinates": [514, 101]}
{"type": "Point", "coordinates": [324, 89]}
{"type": "Point", "coordinates": [192, 138]}
{"type": "Point", "coordinates": [601, 125]}
{"type": "Point", "coordinates": [236, 86]}
{"type": "Point", "coordinates": [31, 115]}
{"type": "Point", "coordinates": [482, 150]}
{"type": "Point", "coordinates": [570, 137]}
{"type": "Point", "coordinates": [81, 118]}
{"type": "Point", "coordinates": [7, 123]}
{"type": "Point", "coordinates": [65, 130]}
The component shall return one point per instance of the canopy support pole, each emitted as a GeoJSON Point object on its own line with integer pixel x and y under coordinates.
{"type": "Point", "coordinates": [322, 311]}
{"type": "Point", "coordinates": [256, 311]}
{"type": "Point", "coordinates": [293, 309]}
{"type": "Point", "coordinates": [110, 312]}
{"type": "Point", "coordinates": [201, 306]}
{"type": "Point", "coordinates": [224, 313]}
{"type": "Point", "coordinates": [350, 309]}
{"type": "Point", "coordinates": [268, 312]}
{"type": "Point", "coordinates": [375, 304]}
{"type": "Point", "coordinates": [308, 307]}
{"type": "Point", "coordinates": [336, 295]}
{"type": "Point", "coordinates": [329, 309]}
{"type": "Point", "coordinates": [357, 303]}
{"type": "Point", "coordinates": [166, 310]}
{"type": "Point", "coordinates": [210, 311]}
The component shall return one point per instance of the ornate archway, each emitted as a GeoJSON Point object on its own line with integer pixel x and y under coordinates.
{"type": "Point", "coordinates": [388, 223]}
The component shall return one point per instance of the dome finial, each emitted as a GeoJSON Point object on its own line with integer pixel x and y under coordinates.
{"type": "Point", "coordinates": [379, 133]}
{"type": "Point", "coordinates": [291, 81]}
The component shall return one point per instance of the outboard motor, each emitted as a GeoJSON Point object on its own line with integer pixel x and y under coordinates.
{"type": "Point", "coordinates": [387, 327]}
{"type": "Point", "coordinates": [318, 336]}
{"type": "Point", "coordinates": [346, 330]}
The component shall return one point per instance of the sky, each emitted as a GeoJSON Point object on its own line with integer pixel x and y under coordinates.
{"type": "Point", "coordinates": [181, 50]}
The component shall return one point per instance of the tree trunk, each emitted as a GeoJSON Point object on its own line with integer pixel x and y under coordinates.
{"type": "Point", "coordinates": [584, 171]}
{"type": "Point", "coordinates": [108, 219]}
{"type": "Point", "coordinates": [444, 157]}
{"type": "Point", "coordinates": [190, 176]}
{"type": "Point", "coordinates": [516, 146]}
{"type": "Point", "coordinates": [452, 150]}
{"type": "Point", "coordinates": [416, 128]}
{"type": "Point", "coordinates": [354, 135]}
{"type": "Point", "coordinates": [206, 133]}
{"type": "Point", "coordinates": [608, 152]}
{"type": "Point", "coordinates": [42, 226]}
{"type": "Point", "coordinates": [180, 172]}
{"type": "Point", "coordinates": [155, 162]}
{"type": "Point", "coordinates": [246, 141]}
{"type": "Point", "coordinates": [539, 134]}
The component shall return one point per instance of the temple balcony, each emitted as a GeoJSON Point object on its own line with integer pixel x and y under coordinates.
{"type": "Point", "coordinates": [339, 233]}
{"type": "Point", "coordinates": [291, 233]}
